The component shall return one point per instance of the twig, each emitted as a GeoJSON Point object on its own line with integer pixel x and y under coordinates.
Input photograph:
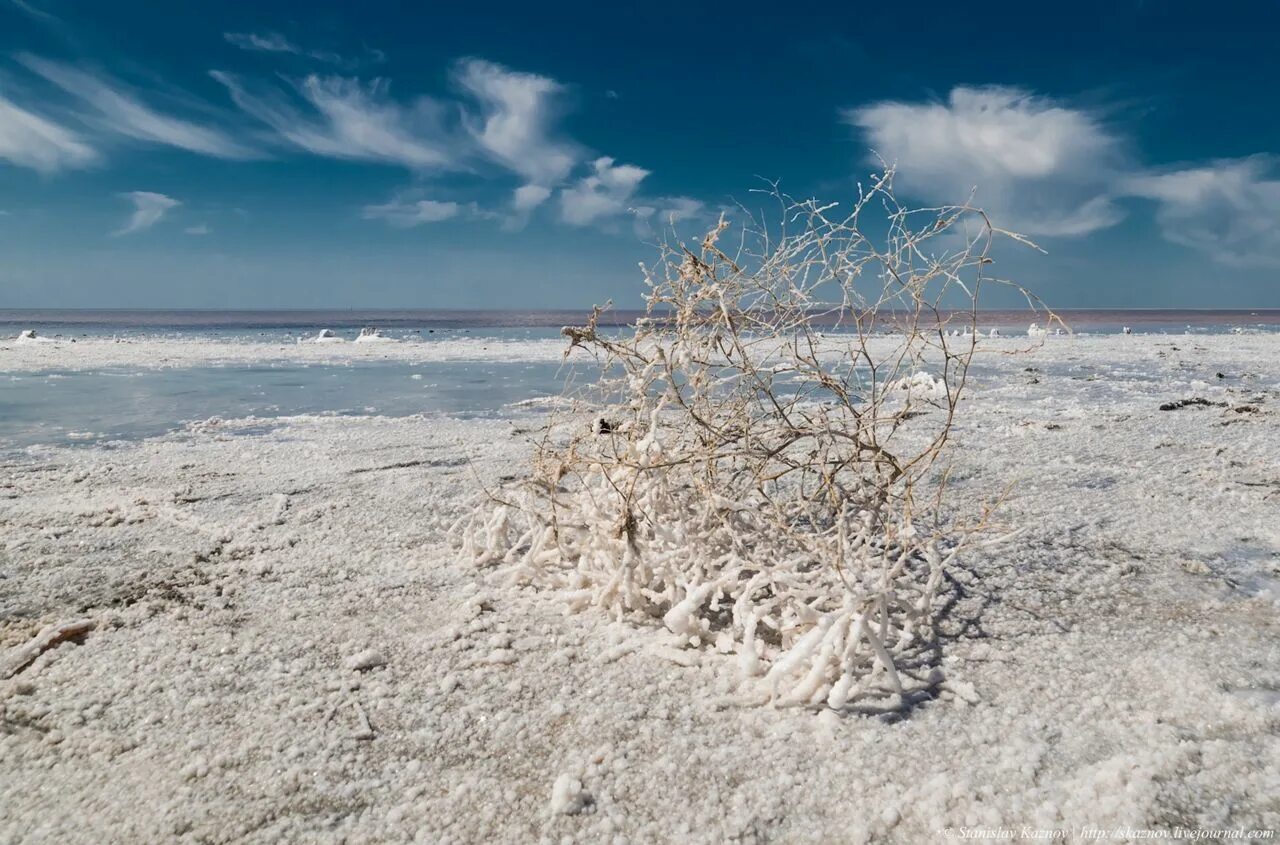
{"type": "Point", "coordinates": [24, 655]}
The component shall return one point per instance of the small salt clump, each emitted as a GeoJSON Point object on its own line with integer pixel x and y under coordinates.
{"type": "Point", "coordinates": [568, 797]}
{"type": "Point", "coordinates": [370, 334]}
{"type": "Point", "coordinates": [365, 660]}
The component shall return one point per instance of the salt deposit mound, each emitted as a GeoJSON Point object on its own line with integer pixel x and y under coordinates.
{"type": "Point", "coordinates": [29, 336]}
{"type": "Point", "coordinates": [369, 334]}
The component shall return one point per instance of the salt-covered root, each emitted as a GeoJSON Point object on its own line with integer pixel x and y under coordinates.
{"type": "Point", "coordinates": [682, 619]}
{"type": "Point", "coordinates": [816, 643]}
{"type": "Point", "coordinates": [24, 655]}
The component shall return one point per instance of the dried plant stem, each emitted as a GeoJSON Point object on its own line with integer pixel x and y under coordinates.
{"type": "Point", "coordinates": [760, 472]}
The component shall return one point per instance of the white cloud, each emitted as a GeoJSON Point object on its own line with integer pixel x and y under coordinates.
{"type": "Point", "coordinates": [604, 194]}
{"type": "Point", "coordinates": [28, 140]}
{"type": "Point", "coordinates": [1228, 210]}
{"type": "Point", "coordinates": [529, 197]}
{"type": "Point", "coordinates": [122, 113]}
{"type": "Point", "coordinates": [274, 42]}
{"type": "Point", "coordinates": [524, 201]}
{"type": "Point", "coordinates": [658, 214]}
{"type": "Point", "coordinates": [1039, 167]}
{"type": "Point", "coordinates": [514, 128]}
{"type": "Point", "coordinates": [670, 210]}
{"type": "Point", "coordinates": [148, 209]}
{"type": "Point", "coordinates": [202, 229]}
{"type": "Point", "coordinates": [504, 116]}
{"type": "Point", "coordinates": [350, 120]}
{"type": "Point", "coordinates": [407, 214]}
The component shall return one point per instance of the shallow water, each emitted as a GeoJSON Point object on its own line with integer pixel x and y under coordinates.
{"type": "Point", "coordinates": [93, 407]}
{"type": "Point", "coordinates": [96, 406]}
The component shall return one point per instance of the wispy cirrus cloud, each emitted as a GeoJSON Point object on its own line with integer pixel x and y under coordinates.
{"type": "Point", "coordinates": [148, 209]}
{"type": "Point", "coordinates": [200, 229]}
{"type": "Point", "coordinates": [274, 42]}
{"type": "Point", "coordinates": [116, 109]}
{"type": "Point", "coordinates": [1228, 210]}
{"type": "Point", "coordinates": [344, 118]}
{"type": "Point", "coordinates": [514, 126]}
{"type": "Point", "coordinates": [270, 42]}
{"type": "Point", "coordinates": [1039, 166]}
{"type": "Point", "coordinates": [35, 12]}
{"type": "Point", "coordinates": [29, 140]}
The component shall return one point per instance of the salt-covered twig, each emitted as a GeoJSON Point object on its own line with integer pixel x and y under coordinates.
{"type": "Point", "coordinates": [364, 729]}
{"type": "Point", "coordinates": [22, 656]}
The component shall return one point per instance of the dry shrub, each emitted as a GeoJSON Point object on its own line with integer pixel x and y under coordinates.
{"type": "Point", "coordinates": [758, 465]}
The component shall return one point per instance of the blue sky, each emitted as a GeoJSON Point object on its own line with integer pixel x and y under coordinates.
{"type": "Point", "coordinates": [384, 154]}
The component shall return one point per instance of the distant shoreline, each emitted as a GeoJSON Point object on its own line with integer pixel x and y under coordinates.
{"type": "Point", "coordinates": [191, 318]}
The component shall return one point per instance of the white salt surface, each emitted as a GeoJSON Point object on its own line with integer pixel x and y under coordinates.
{"type": "Point", "coordinates": [285, 650]}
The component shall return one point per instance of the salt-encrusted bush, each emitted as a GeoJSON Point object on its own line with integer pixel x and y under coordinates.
{"type": "Point", "coordinates": [757, 467]}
